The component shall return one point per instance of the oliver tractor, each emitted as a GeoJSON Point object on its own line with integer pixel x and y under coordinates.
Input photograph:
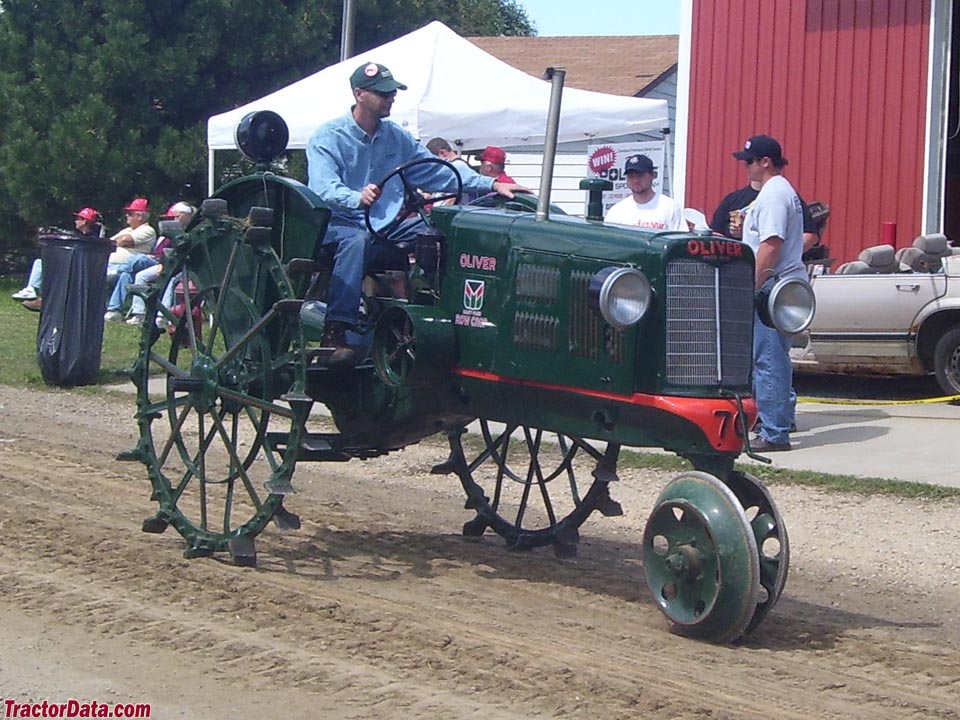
{"type": "Point", "coordinates": [538, 343]}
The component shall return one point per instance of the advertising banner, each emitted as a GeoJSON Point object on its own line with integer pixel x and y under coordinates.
{"type": "Point", "coordinates": [606, 160]}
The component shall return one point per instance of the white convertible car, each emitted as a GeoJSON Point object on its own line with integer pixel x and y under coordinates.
{"type": "Point", "coordinates": [888, 314]}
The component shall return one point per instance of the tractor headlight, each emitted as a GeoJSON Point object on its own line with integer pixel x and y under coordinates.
{"type": "Point", "coordinates": [787, 305]}
{"type": "Point", "coordinates": [621, 295]}
{"type": "Point", "coordinates": [262, 136]}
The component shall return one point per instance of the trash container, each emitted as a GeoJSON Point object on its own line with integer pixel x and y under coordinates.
{"type": "Point", "coordinates": [70, 334]}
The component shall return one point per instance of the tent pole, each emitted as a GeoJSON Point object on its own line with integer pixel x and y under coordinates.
{"type": "Point", "coordinates": [346, 33]}
{"type": "Point", "coordinates": [210, 172]}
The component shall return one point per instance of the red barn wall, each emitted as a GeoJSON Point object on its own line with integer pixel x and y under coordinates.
{"type": "Point", "coordinates": [841, 83]}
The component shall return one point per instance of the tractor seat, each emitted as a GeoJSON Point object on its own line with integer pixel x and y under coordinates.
{"type": "Point", "coordinates": [387, 257]}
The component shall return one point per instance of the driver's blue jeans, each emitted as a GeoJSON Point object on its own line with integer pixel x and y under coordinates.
{"type": "Point", "coordinates": [354, 252]}
{"type": "Point", "coordinates": [773, 382]}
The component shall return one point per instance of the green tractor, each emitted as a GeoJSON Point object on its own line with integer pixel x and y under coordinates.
{"type": "Point", "coordinates": [555, 339]}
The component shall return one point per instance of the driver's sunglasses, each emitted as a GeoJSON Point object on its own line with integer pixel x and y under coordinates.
{"type": "Point", "coordinates": [381, 93]}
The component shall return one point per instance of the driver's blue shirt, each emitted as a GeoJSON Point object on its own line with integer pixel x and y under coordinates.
{"type": "Point", "coordinates": [342, 159]}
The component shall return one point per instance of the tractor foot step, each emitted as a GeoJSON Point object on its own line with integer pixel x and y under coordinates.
{"type": "Point", "coordinates": [243, 551]}
{"type": "Point", "coordinates": [322, 447]}
{"type": "Point", "coordinates": [286, 520]}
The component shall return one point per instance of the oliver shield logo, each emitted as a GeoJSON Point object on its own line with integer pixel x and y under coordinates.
{"type": "Point", "coordinates": [473, 294]}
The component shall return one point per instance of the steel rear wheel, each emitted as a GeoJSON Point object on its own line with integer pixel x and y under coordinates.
{"type": "Point", "coordinates": [219, 395]}
{"type": "Point", "coordinates": [700, 559]}
{"type": "Point", "coordinates": [526, 485]}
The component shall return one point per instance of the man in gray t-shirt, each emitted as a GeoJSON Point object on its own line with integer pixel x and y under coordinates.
{"type": "Point", "coordinates": [773, 228]}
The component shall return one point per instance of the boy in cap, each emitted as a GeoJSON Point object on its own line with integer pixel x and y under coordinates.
{"type": "Point", "coordinates": [492, 163]}
{"type": "Point", "coordinates": [773, 228]}
{"type": "Point", "coordinates": [346, 157]}
{"type": "Point", "coordinates": [645, 207]}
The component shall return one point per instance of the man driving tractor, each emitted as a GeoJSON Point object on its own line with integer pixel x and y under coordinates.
{"type": "Point", "coordinates": [346, 157]}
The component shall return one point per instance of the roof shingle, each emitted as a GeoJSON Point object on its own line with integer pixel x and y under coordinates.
{"type": "Point", "coordinates": [618, 65]}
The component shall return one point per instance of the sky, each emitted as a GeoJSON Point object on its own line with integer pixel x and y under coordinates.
{"type": "Point", "coordinates": [611, 17]}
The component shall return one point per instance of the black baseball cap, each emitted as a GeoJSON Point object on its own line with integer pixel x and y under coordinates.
{"type": "Point", "coordinates": [372, 76]}
{"type": "Point", "coordinates": [761, 146]}
{"type": "Point", "coordinates": [638, 163]}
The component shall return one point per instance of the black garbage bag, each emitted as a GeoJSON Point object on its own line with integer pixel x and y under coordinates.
{"type": "Point", "coordinates": [70, 334]}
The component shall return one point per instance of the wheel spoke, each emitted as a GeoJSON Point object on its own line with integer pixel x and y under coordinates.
{"type": "Point", "coordinates": [238, 463]}
{"type": "Point", "coordinates": [500, 478]}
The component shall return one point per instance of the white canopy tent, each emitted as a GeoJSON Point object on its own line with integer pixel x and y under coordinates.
{"type": "Point", "coordinates": [456, 91]}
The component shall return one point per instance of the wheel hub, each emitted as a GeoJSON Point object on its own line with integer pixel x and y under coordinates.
{"type": "Point", "coordinates": [686, 563]}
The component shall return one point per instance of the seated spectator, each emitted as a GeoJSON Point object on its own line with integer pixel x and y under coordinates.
{"type": "Point", "coordinates": [142, 269]}
{"type": "Point", "coordinates": [183, 213]}
{"type": "Point", "coordinates": [138, 238]}
{"type": "Point", "coordinates": [492, 163]}
{"type": "Point", "coordinates": [87, 222]}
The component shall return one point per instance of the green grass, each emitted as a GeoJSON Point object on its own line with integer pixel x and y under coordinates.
{"type": "Point", "coordinates": [18, 345]}
{"type": "Point", "coordinates": [781, 476]}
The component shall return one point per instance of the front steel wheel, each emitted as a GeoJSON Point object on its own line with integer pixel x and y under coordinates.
{"type": "Point", "coordinates": [700, 559]}
{"type": "Point", "coordinates": [220, 401]}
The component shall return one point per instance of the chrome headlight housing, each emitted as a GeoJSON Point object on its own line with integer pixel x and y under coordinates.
{"type": "Point", "coordinates": [787, 305]}
{"type": "Point", "coordinates": [621, 295]}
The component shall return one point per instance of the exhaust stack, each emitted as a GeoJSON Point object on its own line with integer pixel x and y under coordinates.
{"type": "Point", "coordinates": [556, 76]}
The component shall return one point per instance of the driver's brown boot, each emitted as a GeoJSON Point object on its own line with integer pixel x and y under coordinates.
{"type": "Point", "coordinates": [335, 341]}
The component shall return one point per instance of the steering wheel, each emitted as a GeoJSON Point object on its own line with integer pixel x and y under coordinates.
{"type": "Point", "coordinates": [413, 200]}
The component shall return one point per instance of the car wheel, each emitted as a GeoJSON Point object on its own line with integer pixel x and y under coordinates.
{"type": "Point", "coordinates": [946, 362]}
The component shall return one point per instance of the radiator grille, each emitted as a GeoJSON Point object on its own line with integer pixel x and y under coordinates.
{"type": "Point", "coordinates": [534, 330]}
{"type": "Point", "coordinates": [590, 336]}
{"type": "Point", "coordinates": [709, 323]}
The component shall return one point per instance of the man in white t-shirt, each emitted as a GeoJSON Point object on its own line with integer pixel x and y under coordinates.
{"type": "Point", "coordinates": [645, 207]}
{"type": "Point", "coordinates": [773, 228]}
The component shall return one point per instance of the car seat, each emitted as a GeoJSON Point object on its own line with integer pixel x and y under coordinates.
{"type": "Point", "coordinates": [872, 261]}
{"type": "Point", "coordinates": [927, 253]}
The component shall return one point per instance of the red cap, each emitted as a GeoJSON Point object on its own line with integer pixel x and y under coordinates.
{"type": "Point", "coordinates": [171, 211]}
{"type": "Point", "coordinates": [88, 214]}
{"type": "Point", "coordinates": [138, 205]}
{"type": "Point", "coordinates": [493, 154]}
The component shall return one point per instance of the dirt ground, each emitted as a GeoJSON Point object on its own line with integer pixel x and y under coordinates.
{"type": "Point", "coordinates": [378, 608]}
